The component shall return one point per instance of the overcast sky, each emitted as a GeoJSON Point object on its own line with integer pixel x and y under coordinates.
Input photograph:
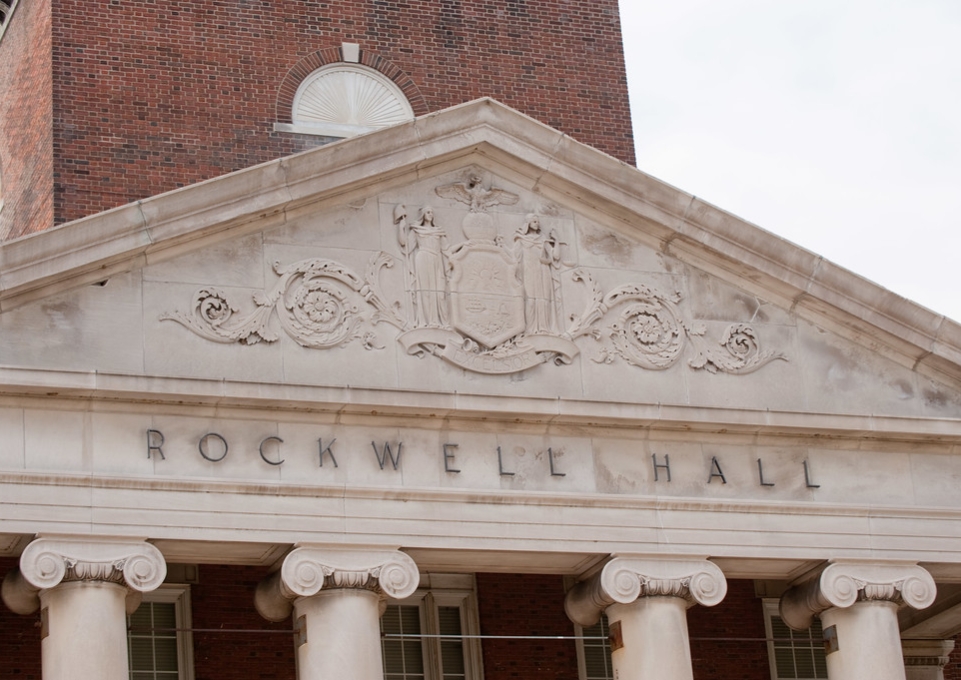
{"type": "Point", "coordinates": [833, 123]}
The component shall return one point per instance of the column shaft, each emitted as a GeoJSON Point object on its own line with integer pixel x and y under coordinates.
{"type": "Point", "coordinates": [86, 631]}
{"type": "Point", "coordinates": [655, 637]}
{"type": "Point", "coordinates": [342, 635]}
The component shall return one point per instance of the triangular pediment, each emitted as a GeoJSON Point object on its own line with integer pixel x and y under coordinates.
{"type": "Point", "coordinates": [470, 252]}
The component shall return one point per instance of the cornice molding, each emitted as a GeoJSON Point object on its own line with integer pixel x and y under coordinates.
{"type": "Point", "coordinates": [843, 583]}
{"type": "Point", "coordinates": [625, 579]}
{"type": "Point", "coordinates": [309, 569]}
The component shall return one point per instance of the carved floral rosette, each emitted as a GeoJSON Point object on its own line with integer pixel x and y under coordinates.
{"type": "Point", "coordinates": [476, 304]}
{"type": "Point", "coordinates": [317, 301]}
{"type": "Point", "coordinates": [625, 579]}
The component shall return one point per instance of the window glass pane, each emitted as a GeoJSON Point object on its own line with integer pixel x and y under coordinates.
{"type": "Point", "coordinates": [798, 655]}
{"type": "Point", "coordinates": [451, 651]}
{"type": "Point", "coordinates": [403, 650]}
{"type": "Point", "coordinates": [597, 651]}
{"type": "Point", "coordinates": [152, 642]}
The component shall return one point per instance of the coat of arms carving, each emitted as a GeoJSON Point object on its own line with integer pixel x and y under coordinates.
{"type": "Point", "coordinates": [481, 303]}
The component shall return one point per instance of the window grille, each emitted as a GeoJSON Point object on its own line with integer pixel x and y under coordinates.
{"type": "Point", "coordinates": [794, 655]}
{"type": "Point", "coordinates": [159, 645]}
{"type": "Point", "coordinates": [421, 636]}
{"type": "Point", "coordinates": [594, 651]}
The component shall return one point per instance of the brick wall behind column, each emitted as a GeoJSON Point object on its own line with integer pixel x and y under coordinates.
{"type": "Point", "coordinates": [727, 641]}
{"type": "Point", "coordinates": [224, 599]}
{"type": "Point", "coordinates": [150, 96]}
{"type": "Point", "coordinates": [26, 110]}
{"type": "Point", "coordinates": [525, 604]}
{"type": "Point", "coordinates": [19, 638]}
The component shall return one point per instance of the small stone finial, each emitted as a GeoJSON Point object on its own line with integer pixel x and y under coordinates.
{"type": "Point", "coordinates": [842, 583]}
{"type": "Point", "coordinates": [49, 561]}
{"type": "Point", "coordinates": [308, 569]}
{"type": "Point", "coordinates": [626, 578]}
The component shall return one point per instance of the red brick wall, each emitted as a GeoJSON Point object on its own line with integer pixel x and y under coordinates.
{"type": "Point", "coordinates": [524, 604]}
{"type": "Point", "coordinates": [154, 95]}
{"type": "Point", "coordinates": [224, 599]}
{"type": "Point", "coordinates": [26, 111]}
{"type": "Point", "coordinates": [714, 655]}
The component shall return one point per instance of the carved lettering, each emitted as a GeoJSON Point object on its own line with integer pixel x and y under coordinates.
{"type": "Point", "coordinates": [807, 477]}
{"type": "Point", "coordinates": [500, 464]}
{"type": "Point", "coordinates": [154, 445]}
{"type": "Point", "coordinates": [666, 465]}
{"type": "Point", "coordinates": [760, 474]}
{"type": "Point", "coordinates": [550, 457]}
{"type": "Point", "coordinates": [264, 456]}
{"type": "Point", "coordinates": [202, 444]}
{"type": "Point", "coordinates": [387, 454]}
{"type": "Point", "coordinates": [449, 457]}
{"type": "Point", "coordinates": [328, 451]}
{"type": "Point", "coordinates": [716, 471]}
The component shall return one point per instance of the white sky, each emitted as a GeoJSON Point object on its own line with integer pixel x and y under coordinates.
{"type": "Point", "coordinates": [833, 123]}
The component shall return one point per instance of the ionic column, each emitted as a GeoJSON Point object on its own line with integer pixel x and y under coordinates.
{"type": "Point", "coordinates": [335, 595]}
{"type": "Point", "coordinates": [857, 603]}
{"type": "Point", "coordinates": [926, 659]}
{"type": "Point", "coordinates": [82, 587]}
{"type": "Point", "coordinates": [646, 601]}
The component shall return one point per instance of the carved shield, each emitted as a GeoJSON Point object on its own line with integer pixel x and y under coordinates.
{"type": "Point", "coordinates": [487, 300]}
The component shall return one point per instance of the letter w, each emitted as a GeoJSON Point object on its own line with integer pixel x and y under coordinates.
{"type": "Point", "coordinates": [382, 456]}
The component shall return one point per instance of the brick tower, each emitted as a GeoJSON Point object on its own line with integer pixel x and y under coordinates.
{"type": "Point", "coordinates": [107, 102]}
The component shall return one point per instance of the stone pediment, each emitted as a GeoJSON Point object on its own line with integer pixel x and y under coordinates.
{"type": "Point", "coordinates": [470, 251]}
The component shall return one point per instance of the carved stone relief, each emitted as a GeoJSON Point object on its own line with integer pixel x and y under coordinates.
{"type": "Point", "coordinates": [481, 304]}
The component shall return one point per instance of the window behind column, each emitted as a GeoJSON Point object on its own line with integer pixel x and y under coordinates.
{"type": "Point", "coordinates": [794, 655]}
{"type": "Point", "coordinates": [594, 651]}
{"type": "Point", "coordinates": [159, 643]}
{"type": "Point", "coordinates": [422, 635]}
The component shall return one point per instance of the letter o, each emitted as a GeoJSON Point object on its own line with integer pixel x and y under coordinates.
{"type": "Point", "coordinates": [200, 445]}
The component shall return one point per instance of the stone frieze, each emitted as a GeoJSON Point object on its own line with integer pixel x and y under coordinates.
{"type": "Point", "coordinates": [484, 304]}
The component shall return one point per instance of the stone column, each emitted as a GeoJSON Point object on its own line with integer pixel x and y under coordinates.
{"type": "Point", "coordinates": [83, 588]}
{"type": "Point", "coordinates": [646, 601]}
{"type": "Point", "coordinates": [926, 659]}
{"type": "Point", "coordinates": [857, 602]}
{"type": "Point", "coordinates": [335, 595]}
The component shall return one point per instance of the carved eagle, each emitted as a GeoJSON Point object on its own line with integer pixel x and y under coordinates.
{"type": "Point", "coordinates": [473, 193]}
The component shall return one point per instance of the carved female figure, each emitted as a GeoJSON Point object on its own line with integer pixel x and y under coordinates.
{"type": "Point", "coordinates": [538, 258]}
{"type": "Point", "coordinates": [425, 246]}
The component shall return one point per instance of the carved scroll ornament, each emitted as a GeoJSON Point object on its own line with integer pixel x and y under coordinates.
{"type": "Point", "coordinates": [307, 570]}
{"type": "Point", "coordinates": [481, 304]}
{"type": "Point", "coordinates": [841, 584]}
{"type": "Point", "coordinates": [625, 579]}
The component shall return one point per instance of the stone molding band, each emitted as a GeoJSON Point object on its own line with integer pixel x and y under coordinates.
{"type": "Point", "coordinates": [308, 569]}
{"type": "Point", "coordinates": [49, 561]}
{"type": "Point", "coordinates": [624, 579]}
{"type": "Point", "coordinates": [841, 584]}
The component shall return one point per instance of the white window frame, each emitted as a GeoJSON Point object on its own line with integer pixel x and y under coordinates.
{"type": "Point", "coordinates": [447, 590]}
{"type": "Point", "coordinates": [581, 655]}
{"type": "Point", "coordinates": [771, 610]}
{"type": "Point", "coordinates": [179, 595]}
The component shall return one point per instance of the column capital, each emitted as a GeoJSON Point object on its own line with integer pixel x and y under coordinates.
{"type": "Point", "coordinates": [50, 560]}
{"type": "Point", "coordinates": [309, 568]}
{"type": "Point", "coordinates": [625, 578]}
{"type": "Point", "coordinates": [927, 653]}
{"type": "Point", "coordinates": [842, 583]}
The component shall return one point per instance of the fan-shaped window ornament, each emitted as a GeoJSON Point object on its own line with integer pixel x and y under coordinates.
{"type": "Point", "coordinates": [343, 100]}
